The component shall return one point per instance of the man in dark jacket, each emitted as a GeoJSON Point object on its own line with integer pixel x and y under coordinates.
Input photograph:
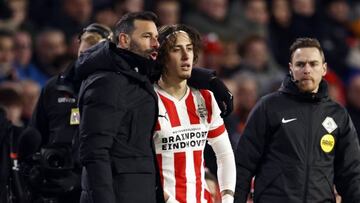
{"type": "Point", "coordinates": [297, 142]}
{"type": "Point", "coordinates": [57, 117]}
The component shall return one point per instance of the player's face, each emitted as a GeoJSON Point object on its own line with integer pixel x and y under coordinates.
{"type": "Point", "coordinates": [180, 58]}
{"type": "Point", "coordinates": [308, 68]}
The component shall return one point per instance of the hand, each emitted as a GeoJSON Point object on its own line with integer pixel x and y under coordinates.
{"type": "Point", "coordinates": [166, 196]}
{"type": "Point", "coordinates": [223, 96]}
{"type": "Point", "coordinates": [227, 198]}
{"type": "Point", "coordinates": [169, 199]}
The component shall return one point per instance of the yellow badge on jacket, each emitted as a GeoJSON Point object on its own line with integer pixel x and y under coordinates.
{"type": "Point", "coordinates": [75, 116]}
{"type": "Point", "coordinates": [327, 143]}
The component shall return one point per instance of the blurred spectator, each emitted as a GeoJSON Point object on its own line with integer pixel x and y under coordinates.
{"type": "Point", "coordinates": [353, 99]}
{"type": "Point", "coordinates": [336, 35]}
{"type": "Point", "coordinates": [306, 19]}
{"type": "Point", "coordinates": [246, 95]}
{"type": "Point", "coordinates": [353, 58]}
{"type": "Point", "coordinates": [230, 58]}
{"type": "Point", "coordinates": [335, 87]}
{"type": "Point", "coordinates": [12, 100]}
{"type": "Point", "coordinates": [355, 17]}
{"type": "Point", "coordinates": [212, 16]}
{"type": "Point", "coordinates": [255, 58]}
{"type": "Point", "coordinates": [7, 56]}
{"type": "Point", "coordinates": [75, 15]}
{"type": "Point", "coordinates": [168, 11]}
{"type": "Point", "coordinates": [106, 16]}
{"type": "Point", "coordinates": [256, 17]}
{"type": "Point", "coordinates": [31, 93]}
{"type": "Point", "coordinates": [17, 16]}
{"type": "Point", "coordinates": [43, 12]}
{"type": "Point", "coordinates": [101, 3]}
{"type": "Point", "coordinates": [212, 53]}
{"type": "Point", "coordinates": [23, 53]}
{"type": "Point", "coordinates": [49, 46]}
{"type": "Point", "coordinates": [280, 31]}
{"type": "Point", "coordinates": [126, 6]}
{"type": "Point", "coordinates": [23, 48]}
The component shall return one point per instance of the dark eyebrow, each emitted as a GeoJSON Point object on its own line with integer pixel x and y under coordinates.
{"type": "Point", "coordinates": [177, 45]}
{"type": "Point", "coordinates": [313, 61]}
{"type": "Point", "coordinates": [148, 33]}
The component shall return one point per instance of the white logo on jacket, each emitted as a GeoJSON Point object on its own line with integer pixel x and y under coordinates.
{"type": "Point", "coordinates": [288, 120]}
{"type": "Point", "coordinates": [329, 124]}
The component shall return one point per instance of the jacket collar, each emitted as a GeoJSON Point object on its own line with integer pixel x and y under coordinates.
{"type": "Point", "coordinates": [288, 86]}
{"type": "Point", "coordinates": [132, 64]}
{"type": "Point", "coordinates": [106, 56]}
{"type": "Point", "coordinates": [67, 82]}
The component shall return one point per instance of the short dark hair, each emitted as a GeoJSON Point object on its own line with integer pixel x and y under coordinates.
{"type": "Point", "coordinates": [103, 30]}
{"type": "Point", "coordinates": [306, 43]}
{"type": "Point", "coordinates": [10, 97]}
{"type": "Point", "coordinates": [126, 22]}
{"type": "Point", "coordinates": [167, 40]}
{"type": "Point", "coordinates": [244, 45]}
{"type": "Point", "coordinates": [6, 33]}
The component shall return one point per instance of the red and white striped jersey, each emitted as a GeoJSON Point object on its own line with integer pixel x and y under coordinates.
{"type": "Point", "coordinates": [181, 132]}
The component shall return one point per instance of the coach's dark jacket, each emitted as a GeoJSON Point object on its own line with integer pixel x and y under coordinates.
{"type": "Point", "coordinates": [287, 145]}
{"type": "Point", "coordinates": [118, 109]}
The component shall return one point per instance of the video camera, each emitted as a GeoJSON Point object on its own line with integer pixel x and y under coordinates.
{"type": "Point", "coordinates": [47, 173]}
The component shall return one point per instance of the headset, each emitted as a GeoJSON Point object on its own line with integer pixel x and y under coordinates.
{"type": "Point", "coordinates": [102, 30]}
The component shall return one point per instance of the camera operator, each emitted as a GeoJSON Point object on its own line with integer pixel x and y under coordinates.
{"type": "Point", "coordinates": [5, 164]}
{"type": "Point", "coordinates": [57, 117]}
{"type": "Point", "coordinates": [12, 186]}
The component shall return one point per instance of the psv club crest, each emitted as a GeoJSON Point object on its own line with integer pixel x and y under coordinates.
{"type": "Point", "coordinates": [202, 111]}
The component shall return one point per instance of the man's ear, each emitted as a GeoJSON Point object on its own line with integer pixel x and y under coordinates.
{"type": "Point", "coordinates": [325, 69]}
{"type": "Point", "coordinates": [124, 41]}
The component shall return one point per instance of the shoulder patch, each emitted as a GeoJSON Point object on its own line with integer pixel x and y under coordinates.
{"type": "Point", "coordinates": [329, 124]}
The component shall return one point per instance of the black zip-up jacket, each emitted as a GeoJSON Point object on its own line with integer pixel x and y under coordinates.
{"type": "Point", "coordinates": [118, 109]}
{"type": "Point", "coordinates": [298, 146]}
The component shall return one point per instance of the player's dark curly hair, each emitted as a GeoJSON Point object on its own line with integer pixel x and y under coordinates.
{"type": "Point", "coordinates": [167, 40]}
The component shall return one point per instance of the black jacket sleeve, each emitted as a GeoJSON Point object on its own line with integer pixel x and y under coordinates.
{"type": "Point", "coordinates": [201, 77]}
{"type": "Point", "coordinates": [250, 149]}
{"type": "Point", "coordinates": [100, 117]}
{"type": "Point", "coordinates": [347, 163]}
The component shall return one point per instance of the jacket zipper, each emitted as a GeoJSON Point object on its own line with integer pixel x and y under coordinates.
{"type": "Point", "coordinates": [308, 145]}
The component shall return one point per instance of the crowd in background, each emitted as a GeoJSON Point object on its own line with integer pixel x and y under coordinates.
{"type": "Point", "coordinates": [245, 41]}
